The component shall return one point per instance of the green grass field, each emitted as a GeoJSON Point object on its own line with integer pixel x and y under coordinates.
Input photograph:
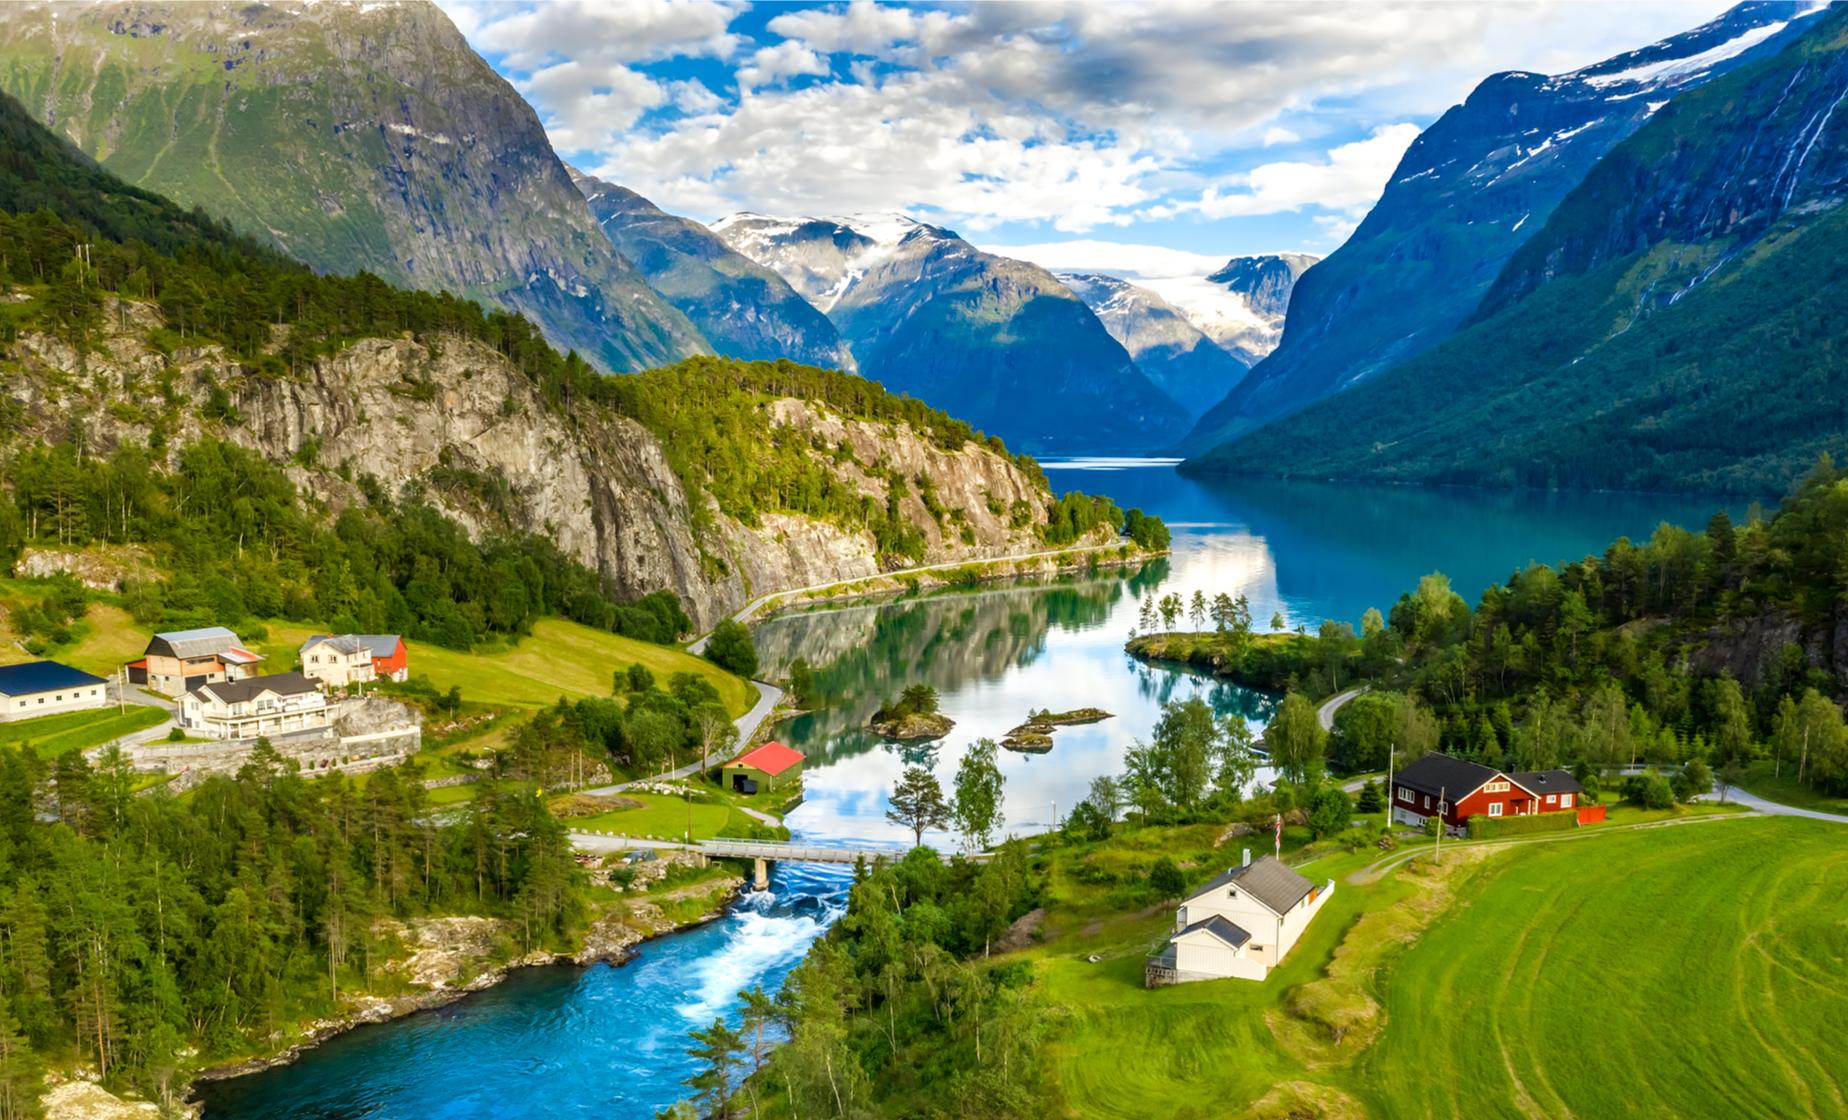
{"type": "Point", "coordinates": [662, 817]}
{"type": "Point", "coordinates": [1689, 970]}
{"type": "Point", "coordinates": [1684, 971]}
{"type": "Point", "coordinates": [1783, 788]}
{"type": "Point", "coordinates": [51, 736]}
{"type": "Point", "coordinates": [560, 658]}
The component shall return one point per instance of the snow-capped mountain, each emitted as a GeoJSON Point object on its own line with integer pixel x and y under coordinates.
{"type": "Point", "coordinates": [1165, 341]}
{"type": "Point", "coordinates": [744, 309]}
{"type": "Point", "coordinates": [998, 342]}
{"type": "Point", "coordinates": [1242, 305]}
{"type": "Point", "coordinates": [1468, 193]}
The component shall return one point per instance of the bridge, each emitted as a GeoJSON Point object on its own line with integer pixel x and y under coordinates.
{"type": "Point", "coordinates": [762, 853]}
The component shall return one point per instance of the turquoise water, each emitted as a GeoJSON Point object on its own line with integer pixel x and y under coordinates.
{"type": "Point", "coordinates": [611, 1042]}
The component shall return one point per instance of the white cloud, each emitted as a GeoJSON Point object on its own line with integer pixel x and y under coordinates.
{"type": "Point", "coordinates": [1064, 114]}
{"type": "Point", "coordinates": [1349, 180]}
{"type": "Point", "coordinates": [775, 63]}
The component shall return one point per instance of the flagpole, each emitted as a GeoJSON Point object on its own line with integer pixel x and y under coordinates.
{"type": "Point", "coordinates": [1437, 847]}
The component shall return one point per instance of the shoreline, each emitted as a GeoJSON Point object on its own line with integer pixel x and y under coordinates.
{"type": "Point", "coordinates": [378, 1010]}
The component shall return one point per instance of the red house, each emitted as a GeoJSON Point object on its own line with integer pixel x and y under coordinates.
{"type": "Point", "coordinates": [1456, 790]}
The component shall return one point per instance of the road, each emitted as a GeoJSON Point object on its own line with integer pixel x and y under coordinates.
{"type": "Point", "coordinates": [1326, 713]}
{"type": "Point", "coordinates": [747, 725]}
{"type": "Point", "coordinates": [744, 613]}
{"type": "Point", "coordinates": [1750, 800]}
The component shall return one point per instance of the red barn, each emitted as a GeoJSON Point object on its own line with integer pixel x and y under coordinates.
{"type": "Point", "coordinates": [1439, 785]}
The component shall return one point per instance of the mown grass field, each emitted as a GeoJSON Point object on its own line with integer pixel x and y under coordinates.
{"type": "Point", "coordinates": [51, 736]}
{"type": "Point", "coordinates": [1688, 970]}
{"type": "Point", "coordinates": [662, 817]}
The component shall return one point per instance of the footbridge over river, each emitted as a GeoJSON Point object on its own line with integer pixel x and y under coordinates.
{"type": "Point", "coordinates": [762, 853]}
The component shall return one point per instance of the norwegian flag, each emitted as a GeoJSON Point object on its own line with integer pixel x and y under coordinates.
{"type": "Point", "coordinates": [1279, 836]}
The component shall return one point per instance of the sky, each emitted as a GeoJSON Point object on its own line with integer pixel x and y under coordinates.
{"type": "Point", "coordinates": [1138, 137]}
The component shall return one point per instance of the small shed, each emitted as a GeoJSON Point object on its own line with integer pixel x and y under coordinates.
{"type": "Point", "coordinates": [769, 767]}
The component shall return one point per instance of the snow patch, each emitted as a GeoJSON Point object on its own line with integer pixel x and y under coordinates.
{"type": "Point", "coordinates": [1670, 71]}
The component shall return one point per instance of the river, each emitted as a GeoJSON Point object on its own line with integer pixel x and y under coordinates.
{"type": "Point", "coordinates": [611, 1042]}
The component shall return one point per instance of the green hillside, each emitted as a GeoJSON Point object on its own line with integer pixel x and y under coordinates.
{"type": "Point", "coordinates": [1678, 323]}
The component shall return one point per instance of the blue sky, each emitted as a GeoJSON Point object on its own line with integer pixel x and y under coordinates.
{"type": "Point", "coordinates": [1131, 136]}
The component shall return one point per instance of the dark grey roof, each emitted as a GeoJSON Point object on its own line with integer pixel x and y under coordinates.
{"type": "Point", "coordinates": [378, 645]}
{"type": "Point", "coordinates": [1437, 774]}
{"type": "Point", "coordinates": [1267, 879]}
{"type": "Point", "coordinates": [202, 642]}
{"type": "Point", "coordinates": [237, 692]}
{"type": "Point", "coordinates": [42, 676]}
{"type": "Point", "coordinates": [1221, 927]}
{"type": "Point", "coordinates": [1547, 781]}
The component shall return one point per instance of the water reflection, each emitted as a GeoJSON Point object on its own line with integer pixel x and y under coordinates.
{"type": "Point", "coordinates": [993, 656]}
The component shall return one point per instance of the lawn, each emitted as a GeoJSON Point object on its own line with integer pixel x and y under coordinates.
{"type": "Point", "coordinates": [1681, 971]}
{"type": "Point", "coordinates": [51, 736]}
{"type": "Point", "coordinates": [661, 817]}
{"type": "Point", "coordinates": [1784, 789]}
{"type": "Point", "coordinates": [560, 658]}
{"type": "Point", "coordinates": [1541, 979]}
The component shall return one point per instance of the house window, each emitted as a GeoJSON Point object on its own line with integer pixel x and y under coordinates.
{"type": "Point", "coordinates": [1565, 801]}
{"type": "Point", "coordinates": [1405, 795]}
{"type": "Point", "coordinates": [1496, 787]}
{"type": "Point", "coordinates": [1495, 808]}
{"type": "Point", "coordinates": [1549, 799]}
{"type": "Point", "coordinates": [1443, 806]}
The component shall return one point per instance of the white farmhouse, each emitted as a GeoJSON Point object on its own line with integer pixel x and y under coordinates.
{"type": "Point", "coordinates": [1241, 924]}
{"type": "Point", "coordinates": [39, 688]}
{"type": "Point", "coordinates": [279, 704]}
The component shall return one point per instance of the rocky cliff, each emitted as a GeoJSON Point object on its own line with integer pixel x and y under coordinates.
{"type": "Point", "coordinates": [353, 137]}
{"type": "Point", "coordinates": [439, 413]}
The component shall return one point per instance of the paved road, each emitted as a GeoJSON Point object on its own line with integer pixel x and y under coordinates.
{"type": "Point", "coordinates": [1326, 713]}
{"type": "Point", "coordinates": [1772, 808]}
{"type": "Point", "coordinates": [744, 613]}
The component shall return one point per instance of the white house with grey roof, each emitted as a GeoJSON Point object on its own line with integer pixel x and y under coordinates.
{"type": "Point", "coordinates": [279, 704]}
{"type": "Point", "coordinates": [337, 660]}
{"type": "Point", "coordinates": [1238, 925]}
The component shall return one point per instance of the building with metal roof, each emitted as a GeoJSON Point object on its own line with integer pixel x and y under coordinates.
{"type": "Point", "coordinates": [1238, 925]}
{"type": "Point", "coordinates": [42, 688]}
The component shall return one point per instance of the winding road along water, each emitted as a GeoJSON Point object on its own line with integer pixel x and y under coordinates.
{"type": "Point", "coordinates": [611, 1042]}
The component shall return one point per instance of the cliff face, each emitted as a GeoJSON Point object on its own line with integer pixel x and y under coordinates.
{"type": "Point", "coordinates": [454, 418]}
{"type": "Point", "coordinates": [352, 137]}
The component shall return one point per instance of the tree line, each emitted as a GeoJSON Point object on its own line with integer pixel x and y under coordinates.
{"type": "Point", "coordinates": [147, 935]}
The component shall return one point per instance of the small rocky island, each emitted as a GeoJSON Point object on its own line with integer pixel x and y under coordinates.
{"type": "Point", "coordinates": [914, 716]}
{"type": "Point", "coordinates": [1035, 735]}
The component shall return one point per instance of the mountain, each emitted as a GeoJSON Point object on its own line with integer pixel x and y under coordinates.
{"type": "Point", "coordinates": [1468, 192]}
{"type": "Point", "coordinates": [1164, 341]}
{"type": "Point", "coordinates": [998, 342]}
{"type": "Point", "coordinates": [715, 479]}
{"type": "Point", "coordinates": [742, 308]}
{"type": "Point", "coordinates": [354, 137]}
{"type": "Point", "coordinates": [1250, 323]}
{"type": "Point", "coordinates": [1678, 322]}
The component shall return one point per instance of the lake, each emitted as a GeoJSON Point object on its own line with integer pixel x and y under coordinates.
{"type": "Point", "coordinates": [611, 1042]}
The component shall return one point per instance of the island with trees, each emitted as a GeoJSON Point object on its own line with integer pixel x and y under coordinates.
{"type": "Point", "coordinates": [913, 717]}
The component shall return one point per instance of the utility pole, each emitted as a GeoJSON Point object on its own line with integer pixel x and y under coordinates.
{"type": "Point", "coordinates": [1391, 750]}
{"type": "Point", "coordinates": [1437, 846]}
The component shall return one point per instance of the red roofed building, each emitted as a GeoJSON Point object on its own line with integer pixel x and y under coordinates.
{"type": "Point", "coordinates": [769, 767]}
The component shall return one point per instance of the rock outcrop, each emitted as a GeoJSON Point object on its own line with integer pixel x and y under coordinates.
{"type": "Point", "coordinates": [435, 414]}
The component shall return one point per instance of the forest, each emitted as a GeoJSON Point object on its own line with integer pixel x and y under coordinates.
{"type": "Point", "coordinates": [145, 936]}
{"type": "Point", "coordinates": [391, 566]}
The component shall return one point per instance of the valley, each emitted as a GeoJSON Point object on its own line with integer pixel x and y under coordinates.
{"type": "Point", "coordinates": [695, 561]}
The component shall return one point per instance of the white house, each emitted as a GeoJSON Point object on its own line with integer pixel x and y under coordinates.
{"type": "Point", "coordinates": [40, 688]}
{"type": "Point", "coordinates": [1241, 924]}
{"type": "Point", "coordinates": [338, 660]}
{"type": "Point", "coordinates": [278, 704]}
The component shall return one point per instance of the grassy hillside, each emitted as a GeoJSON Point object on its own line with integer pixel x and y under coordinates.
{"type": "Point", "coordinates": [1677, 323]}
